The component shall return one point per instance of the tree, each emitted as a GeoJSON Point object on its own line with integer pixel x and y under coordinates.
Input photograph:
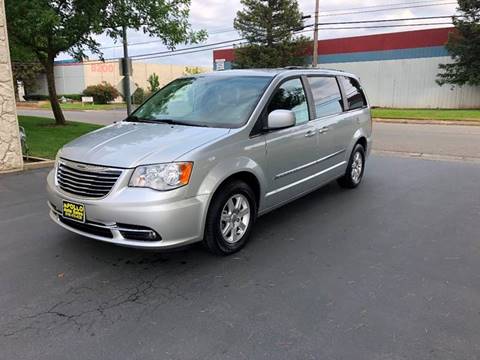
{"type": "Point", "coordinates": [464, 47]}
{"type": "Point", "coordinates": [153, 83]}
{"type": "Point", "coordinates": [268, 26]}
{"type": "Point", "coordinates": [25, 68]}
{"type": "Point", "coordinates": [49, 27]}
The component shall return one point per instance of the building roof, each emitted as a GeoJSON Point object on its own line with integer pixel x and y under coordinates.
{"type": "Point", "coordinates": [368, 43]}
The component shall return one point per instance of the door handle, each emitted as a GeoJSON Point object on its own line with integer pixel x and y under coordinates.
{"type": "Point", "coordinates": [310, 133]}
{"type": "Point", "coordinates": [323, 130]}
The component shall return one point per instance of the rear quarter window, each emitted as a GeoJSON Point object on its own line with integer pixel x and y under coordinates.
{"type": "Point", "coordinates": [326, 95]}
{"type": "Point", "coordinates": [353, 93]}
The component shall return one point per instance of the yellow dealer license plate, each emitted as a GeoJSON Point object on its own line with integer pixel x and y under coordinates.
{"type": "Point", "coordinates": [74, 211]}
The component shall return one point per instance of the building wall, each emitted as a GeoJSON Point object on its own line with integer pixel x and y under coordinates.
{"type": "Point", "coordinates": [73, 78]}
{"type": "Point", "coordinates": [110, 72]}
{"type": "Point", "coordinates": [69, 79]}
{"type": "Point", "coordinates": [396, 69]}
{"type": "Point", "coordinates": [10, 149]}
{"type": "Point", "coordinates": [409, 83]}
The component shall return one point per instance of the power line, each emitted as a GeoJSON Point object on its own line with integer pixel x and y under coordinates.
{"type": "Point", "coordinates": [389, 20]}
{"type": "Point", "coordinates": [174, 53]}
{"type": "Point", "coordinates": [388, 9]}
{"type": "Point", "coordinates": [381, 6]}
{"type": "Point", "coordinates": [188, 52]}
{"type": "Point", "coordinates": [382, 26]}
{"type": "Point", "coordinates": [227, 30]}
{"type": "Point", "coordinates": [188, 48]}
{"type": "Point", "coordinates": [209, 46]}
{"type": "Point", "coordinates": [306, 26]}
{"type": "Point", "coordinates": [223, 44]}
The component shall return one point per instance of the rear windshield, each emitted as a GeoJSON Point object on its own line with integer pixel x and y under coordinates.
{"type": "Point", "coordinates": [212, 101]}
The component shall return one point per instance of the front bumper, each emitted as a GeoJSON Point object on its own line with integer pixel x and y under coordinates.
{"type": "Point", "coordinates": [177, 220]}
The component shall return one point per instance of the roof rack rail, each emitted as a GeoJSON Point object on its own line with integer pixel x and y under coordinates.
{"type": "Point", "coordinates": [309, 67]}
{"type": "Point", "coordinates": [292, 67]}
{"type": "Point", "coordinates": [331, 69]}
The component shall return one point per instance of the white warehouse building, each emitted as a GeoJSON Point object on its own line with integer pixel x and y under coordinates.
{"type": "Point", "coordinates": [397, 70]}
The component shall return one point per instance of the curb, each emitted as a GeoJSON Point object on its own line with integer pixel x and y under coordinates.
{"type": "Point", "coordinates": [39, 163]}
{"type": "Point", "coordinates": [426, 156]}
{"type": "Point", "coordinates": [428, 122]}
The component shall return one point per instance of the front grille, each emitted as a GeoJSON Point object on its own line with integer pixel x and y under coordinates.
{"type": "Point", "coordinates": [86, 180]}
{"type": "Point", "coordinates": [87, 227]}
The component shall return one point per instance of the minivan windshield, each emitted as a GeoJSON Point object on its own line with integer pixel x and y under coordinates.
{"type": "Point", "coordinates": [213, 101]}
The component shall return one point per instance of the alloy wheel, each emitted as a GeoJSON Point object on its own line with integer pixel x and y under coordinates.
{"type": "Point", "coordinates": [235, 218]}
{"type": "Point", "coordinates": [357, 167]}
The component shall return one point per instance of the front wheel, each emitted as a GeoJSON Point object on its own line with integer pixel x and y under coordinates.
{"type": "Point", "coordinates": [355, 168]}
{"type": "Point", "coordinates": [232, 212]}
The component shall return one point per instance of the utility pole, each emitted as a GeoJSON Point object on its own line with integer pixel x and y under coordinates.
{"type": "Point", "coordinates": [315, 35]}
{"type": "Point", "coordinates": [126, 72]}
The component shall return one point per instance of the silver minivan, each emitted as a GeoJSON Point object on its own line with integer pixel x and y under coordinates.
{"type": "Point", "coordinates": [206, 155]}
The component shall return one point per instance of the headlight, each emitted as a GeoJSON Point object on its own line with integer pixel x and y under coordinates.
{"type": "Point", "coordinates": [162, 176]}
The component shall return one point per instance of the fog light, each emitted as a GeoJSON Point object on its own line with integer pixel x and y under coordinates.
{"type": "Point", "coordinates": [139, 233]}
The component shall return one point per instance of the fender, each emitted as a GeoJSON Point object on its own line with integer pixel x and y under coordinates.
{"type": "Point", "coordinates": [227, 168]}
{"type": "Point", "coordinates": [359, 133]}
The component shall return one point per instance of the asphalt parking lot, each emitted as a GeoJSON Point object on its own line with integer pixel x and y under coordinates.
{"type": "Point", "coordinates": [387, 271]}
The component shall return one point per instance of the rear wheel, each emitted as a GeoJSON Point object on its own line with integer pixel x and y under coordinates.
{"type": "Point", "coordinates": [355, 169]}
{"type": "Point", "coordinates": [230, 218]}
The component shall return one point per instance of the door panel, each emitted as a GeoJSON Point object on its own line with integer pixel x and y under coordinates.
{"type": "Point", "coordinates": [291, 152]}
{"type": "Point", "coordinates": [332, 123]}
{"type": "Point", "coordinates": [291, 156]}
{"type": "Point", "coordinates": [351, 120]}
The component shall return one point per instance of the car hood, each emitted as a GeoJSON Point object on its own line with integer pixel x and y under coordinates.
{"type": "Point", "coordinates": [129, 144]}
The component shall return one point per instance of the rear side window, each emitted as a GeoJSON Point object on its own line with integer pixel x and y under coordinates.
{"type": "Point", "coordinates": [326, 95]}
{"type": "Point", "coordinates": [291, 96]}
{"type": "Point", "coordinates": [353, 93]}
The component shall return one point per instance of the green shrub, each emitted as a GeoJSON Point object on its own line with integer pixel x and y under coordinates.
{"type": "Point", "coordinates": [139, 96]}
{"type": "Point", "coordinates": [154, 83]}
{"type": "Point", "coordinates": [102, 93]}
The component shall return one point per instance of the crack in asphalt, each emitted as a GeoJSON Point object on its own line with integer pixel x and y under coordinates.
{"type": "Point", "coordinates": [63, 313]}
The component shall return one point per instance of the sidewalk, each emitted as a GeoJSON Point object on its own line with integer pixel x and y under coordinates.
{"type": "Point", "coordinates": [99, 117]}
{"type": "Point", "coordinates": [428, 122]}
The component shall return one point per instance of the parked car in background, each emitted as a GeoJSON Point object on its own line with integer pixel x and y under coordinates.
{"type": "Point", "coordinates": [206, 155]}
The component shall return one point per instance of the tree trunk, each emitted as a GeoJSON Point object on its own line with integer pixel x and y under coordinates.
{"type": "Point", "coordinates": [269, 25]}
{"type": "Point", "coordinates": [52, 93]}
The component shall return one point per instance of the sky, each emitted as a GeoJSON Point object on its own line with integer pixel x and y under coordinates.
{"type": "Point", "coordinates": [216, 16]}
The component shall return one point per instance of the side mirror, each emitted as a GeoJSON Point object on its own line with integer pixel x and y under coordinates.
{"type": "Point", "coordinates": [279, 119]}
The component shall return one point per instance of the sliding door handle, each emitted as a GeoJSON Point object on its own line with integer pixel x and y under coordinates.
{"type": "Point", "coordinates": [323, 130]}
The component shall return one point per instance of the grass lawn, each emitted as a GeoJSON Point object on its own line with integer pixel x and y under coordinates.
{"type": "Point", "coordinates": [428, 114]}
{"type": "Point", "coordinates": [79, 106]}
{"type": "Point", "coordinates": [44, 138]}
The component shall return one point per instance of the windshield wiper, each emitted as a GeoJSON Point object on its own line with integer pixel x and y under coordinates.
{"type": "Point", "coordinates": [178, 122]}
{"type": "Point", "coordinates": [134, 118]}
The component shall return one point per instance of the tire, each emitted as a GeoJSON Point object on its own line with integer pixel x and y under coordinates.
{"type": "Point", "coordinates": [234, 210]}
{"type": "Point", "coordinates": [355, 169]}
